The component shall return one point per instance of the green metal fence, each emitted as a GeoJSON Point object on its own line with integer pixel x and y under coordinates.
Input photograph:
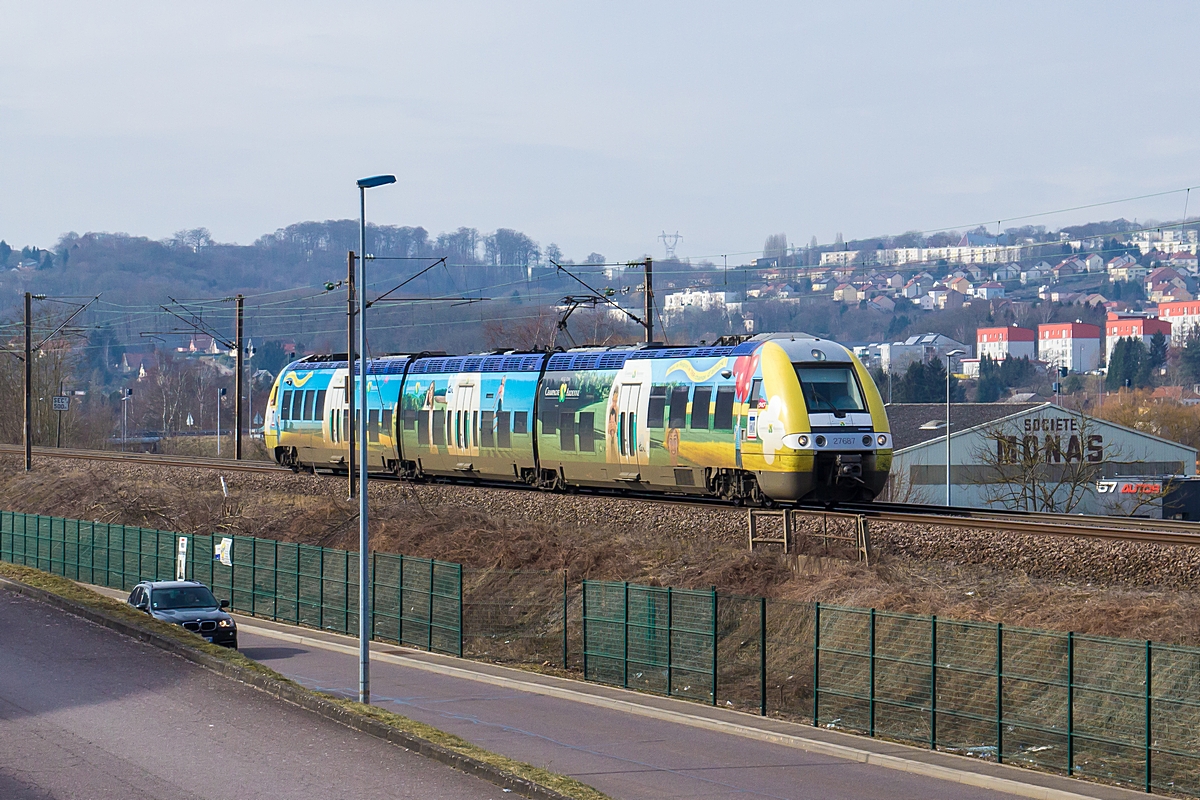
{"type": "Point", "coordinates": [414, 601]}
{"type": "Point", "coordinates": [657, 639]}
{"type": "Point", "coordinates": [1114, 710]}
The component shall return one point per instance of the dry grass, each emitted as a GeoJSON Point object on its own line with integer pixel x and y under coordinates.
{"type": "Point", "coordinates": [964, 578]}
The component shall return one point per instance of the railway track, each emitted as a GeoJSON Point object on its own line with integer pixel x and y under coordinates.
{"type": "Point", "coordinates": [1131, 529]}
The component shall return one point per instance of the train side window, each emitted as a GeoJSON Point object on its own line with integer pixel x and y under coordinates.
{"type": "Point", "coordinates": [657, 407]}
{"type": "Point", "coordinates": [297, 405]}
{"type": "Point", "coordinates": [439, 428]}
{"type": "Point", "coordinates": [679, 399]}
{"type": "Point", "coordinates": [409, 417]}
{"type": "Point", "coordinates": [458, 429]}
{"type": "Point", "coordinates": [587, 431]}
{"type": "Point", "coordinates": [503, 437]}
{"type": "Point", "coordinates": [319, 408]}
{"type": "Point", "coordinates": [520, 422]}
{"type": "Point", "coordinates": [723, 418]}
{"type": "Point", "coordinates": [566, 431]}
{"type": "Point", "coordinates": [423, 429]}
{"type": "Point", "coordinates": [549, 417]}
{"type": "Point", "coordinates": [701, 399]}
{"type": "Point", "coordinates": [387, 422]}
{"type": "Point", "coordinates": [285, 406]}
{"type": "Point", "coordinates": [345, 424]}
{"type": "Point", "coordinates": [487, 434]}
{"type": "Point", "coordinates": [621, 432]}
{"type": "Point", "coordinates": [471, 432]}
{"type": "Point", "coordinates": [309, 397]}
{"type": "Point", "coordinates": [755, 392]}
{"type": "Point", "coordinates": [373, 425]}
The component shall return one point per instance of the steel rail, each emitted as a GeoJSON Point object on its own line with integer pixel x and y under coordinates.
{"type": "Point", "coordinates": [1131, 529]}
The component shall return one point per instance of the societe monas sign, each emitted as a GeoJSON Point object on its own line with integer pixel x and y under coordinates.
{"type": "Point", "coordinates": [1050, 440]}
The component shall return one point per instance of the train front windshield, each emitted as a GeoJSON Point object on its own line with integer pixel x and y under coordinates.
{"type": "Point", "coordinates": [830, 388]}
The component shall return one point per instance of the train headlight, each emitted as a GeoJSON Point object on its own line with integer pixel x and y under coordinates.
{"type": "Point", "coordinates": [866, 441]}
{"type": "Point", "coordinates": [881, 439]}
{"type": "Point", "coordinates": [820, 441]}
{"type": "Point", "coordinates": [803, 440]}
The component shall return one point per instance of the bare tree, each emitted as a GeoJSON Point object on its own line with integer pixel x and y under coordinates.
{"type": "Point", "coordinates": [1042, 470]}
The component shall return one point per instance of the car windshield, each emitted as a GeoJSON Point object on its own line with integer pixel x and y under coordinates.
{"type": "Point", "coordinates": [182, 597]}
{"type": "Point", "coordinates": [832, 388]}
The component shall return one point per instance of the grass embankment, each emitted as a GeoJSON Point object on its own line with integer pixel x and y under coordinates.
{"type": "Point", "coordinates": [99, 604]}
{"type": "Point", "coordinates": [1109, 589]}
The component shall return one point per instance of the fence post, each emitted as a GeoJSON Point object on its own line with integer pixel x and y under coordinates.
{"type": "Point", "coordinates": [564, 654]}
{"type": "Point", "coordinates": [460, 613]}
{"type": "Point", "coordinates": [999, 692]}
{"type": "Point", "coordinates": [1070, 702]}
{"type": "Point", "coordinates": [374, 575]}
{"type": "Point", "coordinates": [346, 592]}
{"type": "Point", "coordinates": [816, 662]}
{"type": "Point", "coordinates": [933, 682]}
{"type": "Point", "coordinates": [321, 588]}
{"type": "Point", "coordinates": [584, 621]}
{"type": "Point", "coordinates": [139, 560]}
{"type": "Point", "coordinates": [429, 635]}
{"type": "Point", "coordinates": [1149, 741]}
{"type": "Point", "coordinates": [714, 641]}
{"type": "Point", "coordinates": [762, 656]}
{"type": "Point", "coordinates": [400, 603]}
{"type": "Point", "coordinates": [670, 644]}
{"type": "Point", "coordinates": [871, 705]}
{"type": "Point", "coordinates": [275, 581]}
{"type": "Point", "coordinates": [625, 641]}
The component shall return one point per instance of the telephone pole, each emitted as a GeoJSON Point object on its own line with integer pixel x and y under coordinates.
{"type": "Point", "coordinates": [648, 313]}
{"type": "Point", "coordinates": [238, 388]}
{"type": "Point", "coordinates": [28, 382]}
{"type": "Point", "coordinates": [349, 426]}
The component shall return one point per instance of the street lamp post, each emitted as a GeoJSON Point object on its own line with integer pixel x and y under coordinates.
{"type": "Point", "coordinates": [949, 359]}
{"type": "Point", "coordinates": [364, 624]}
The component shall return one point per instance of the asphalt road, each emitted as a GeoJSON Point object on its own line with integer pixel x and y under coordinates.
{"type": "Point", "coordinates": [88, 714]}
{"type": "Point", "coordinates": [623, 755]}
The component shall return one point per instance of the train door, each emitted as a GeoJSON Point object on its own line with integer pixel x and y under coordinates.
{"type": "Point", "coordinates": [629, 441]}
{"type": "Point", "coordinates": [463, 422]}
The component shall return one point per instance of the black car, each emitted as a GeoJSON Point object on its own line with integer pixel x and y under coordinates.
{"type": "Point", "coordinates": [187, 603]}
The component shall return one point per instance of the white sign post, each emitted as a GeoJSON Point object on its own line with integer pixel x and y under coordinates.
{"type": "Point", "coordinates": [60, 402]}
{"type": "Point", "coordinates": [181, 559]}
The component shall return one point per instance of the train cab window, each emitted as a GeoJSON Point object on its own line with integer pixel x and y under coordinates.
{"type": "Point", "coordinates": [830, 389]}
{"type": "Point", "coordinates": [587, 431]}
{"type": "Point", "coordinates": [298, 405]}
{"type": "Point", "coordinates": [373, 425]}
{"type": "Point", "coordinates": [309, 397]}
{"type": "Point", "coordinates": [679, 400]}
{"type": "Point", "coordinates": [487, 431]}
{"type": "Point", "coordinates": [503, 434]}
{"type": "Point", "coordinates": [657, 407]}
{"type": "Point", "coordinates": [285, 406]}
{"type": "Point", "coordinates": [319, 408]}
{"type": "Point", "coordinates": [701, 401]}
{"type": "Point", "coordinates": [439, 428]}
{"type": "Point", "coordinates": [566, 431]}
{"type": "Point", "coordinates": [723, 418]}
{"type": "Point", "coordinates": [520, 422]}
{"type": "Point", "coordinates": [386, 420]}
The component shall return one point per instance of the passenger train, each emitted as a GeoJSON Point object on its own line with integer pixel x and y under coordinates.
{"type": "Point", "coordinates": [777, 419]}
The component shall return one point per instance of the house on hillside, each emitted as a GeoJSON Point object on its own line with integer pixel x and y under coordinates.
{"type": "Point", "coordinates": [845, 293]}
{"type": "Point", "coordinates": [992, 290]}
{"type": "Point", "coordinates": [1006, 272]}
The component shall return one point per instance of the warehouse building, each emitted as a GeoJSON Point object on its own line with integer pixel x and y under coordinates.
{"type": "Point", "coordinates": [1032, 457]}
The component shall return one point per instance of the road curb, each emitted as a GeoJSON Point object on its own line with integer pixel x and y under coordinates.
{"type": "Point", "coordinates": [296, 695]}
{"type": "Point", "coordinates": [912, 766]}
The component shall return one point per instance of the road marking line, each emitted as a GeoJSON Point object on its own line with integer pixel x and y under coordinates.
{"type": "Point", "coordinates": [789, 740]}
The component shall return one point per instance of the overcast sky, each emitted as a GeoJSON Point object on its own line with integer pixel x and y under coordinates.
{"type": "Point", "coordinates": [597, 125]}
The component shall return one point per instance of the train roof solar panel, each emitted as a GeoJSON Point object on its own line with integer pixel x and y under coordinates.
{"type": "Point", "coordinates": [688, 352]}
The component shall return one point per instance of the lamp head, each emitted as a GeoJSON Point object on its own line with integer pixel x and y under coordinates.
{"type": "Point", "coordinates": [956, 353]}
{"type": "Point", "coordinates": [376, 180]}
